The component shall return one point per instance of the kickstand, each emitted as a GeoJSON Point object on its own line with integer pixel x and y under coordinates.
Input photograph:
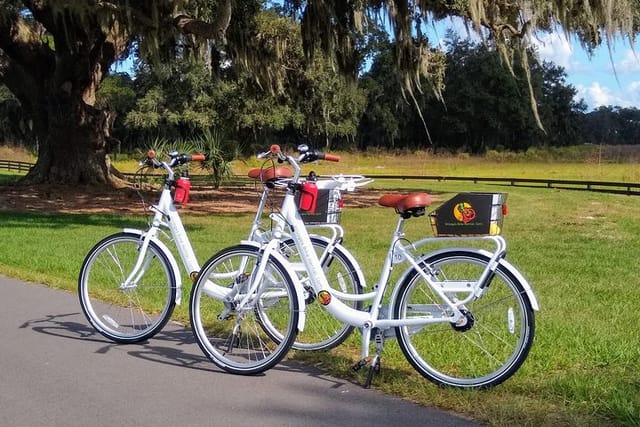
{"type": "Point", "coordinates": [374, 365]}
{"type": "Point", "coordinates": [374, 368]}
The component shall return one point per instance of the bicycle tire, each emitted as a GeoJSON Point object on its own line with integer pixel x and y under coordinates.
{"type": "Point", "coordinates": [484, 354]}
{"type": "Point", "coordinates": [137, 312]}
{"type": "Point", "coordinates": [322, 330]}
{"type": "Point", "coordinates": [232, 337]}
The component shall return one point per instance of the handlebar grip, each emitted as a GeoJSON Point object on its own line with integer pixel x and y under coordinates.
{"type": "Point", "coordinates": [275, 149]}
{"type": "Point", "coordinates": [198, 157]}
{"type": "Point", "coordinates": [331, 157]}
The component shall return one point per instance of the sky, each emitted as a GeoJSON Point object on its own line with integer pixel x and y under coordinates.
{"type": "Point", "coordinates": [609, 77]}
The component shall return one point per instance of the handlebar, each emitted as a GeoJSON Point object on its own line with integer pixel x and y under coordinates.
{"type": "Point", "coordinates": [329, 157]}
{"type": "Point", "coordinates": [198, 157]}
{"type": "Point", "coordinates": [177, 159]}
{"type": "Point", "coordinates": [307, 155]}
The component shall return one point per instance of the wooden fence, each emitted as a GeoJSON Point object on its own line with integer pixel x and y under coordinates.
{"type": "Point", "coordinates": [629, 188]}
{"type": "Point", "coordinates": [15, 166]}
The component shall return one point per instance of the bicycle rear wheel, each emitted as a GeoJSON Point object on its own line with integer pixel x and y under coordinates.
{"type": "Point", "coordinates": [126, 313]}
{"type": "Point", "coordinates": [485, 352]}
{"type": "Point", "coordinates": [322, 331]}
{"type": "Point", "coordinates": [229, 332]}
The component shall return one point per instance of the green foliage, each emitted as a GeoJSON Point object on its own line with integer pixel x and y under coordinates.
{"type": "Point", "coordinates": [274, 77]}
{"type": "Point", "coordinates": [612, 126]}
{"type": "Point", "coordinates": [176, 99]}
{"type": "Point", "coordinates": [220, 153]}
{"type": "Point", "coordinates": [334, 106]}
{"type": "Point", "coordinates": [185, 96]}
{"type": "Point", "coordinates": [116, 93]}
{"type": "Point", "coordinates": [484, 105]}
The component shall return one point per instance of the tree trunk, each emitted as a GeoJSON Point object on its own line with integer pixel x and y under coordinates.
{"type": "Point", "coordinates": [73, 147]}
{"type": "Point", "coordinates": [57, 90]}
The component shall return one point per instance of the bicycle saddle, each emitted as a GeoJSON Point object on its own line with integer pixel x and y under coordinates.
{"type": "Point", "coordinates": [406, 205]}
{"type": "Point", "coordinates": [269, 174]}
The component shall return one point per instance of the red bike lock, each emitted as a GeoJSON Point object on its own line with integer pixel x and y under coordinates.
{"type": "Point", "coordinates": [183, 186]}
{"type": "Point", "coordinates": [308, 197]}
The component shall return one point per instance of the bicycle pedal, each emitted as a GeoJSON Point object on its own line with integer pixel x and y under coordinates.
{"type": "Point", "coordinates": [225, 316]}
{"type": "Point", "coordinates": [360, 365]}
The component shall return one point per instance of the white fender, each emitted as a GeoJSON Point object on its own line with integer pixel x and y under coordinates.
{"type": "Point", "coordinates": [296, 282]}
{"type": "Point", "coordinates": [506, 264]}
{"type": "Point", "coordinates": [170, 257]}
{"type": "Point", "coordinates": [525, 283]}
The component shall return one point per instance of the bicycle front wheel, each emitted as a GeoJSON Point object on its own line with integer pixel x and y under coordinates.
{"type": "Point", "coordinates": [229, 331]}
{"type": "Point", "coordinates": [495, 340]}
{"type": "Point", "coordinates": [126, 312]}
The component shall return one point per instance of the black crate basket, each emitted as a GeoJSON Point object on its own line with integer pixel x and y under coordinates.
{"type": "Point", "coordinates": [328, 208]}
{"type": "Point", "coordinates": [470, 214]}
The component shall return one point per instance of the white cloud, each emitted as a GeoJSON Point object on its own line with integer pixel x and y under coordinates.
{"type": "Point", "coordinates": [556, 48]}
{"type": "Point", "coordinates": [630, 63]}
{"type": "Point", "coordinates": [596, 95]}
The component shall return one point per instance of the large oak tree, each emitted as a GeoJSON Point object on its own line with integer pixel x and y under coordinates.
{"type": "Point", "coordinates": [55, 53]}
{"type": "Point", "coordinates": [53, 56]}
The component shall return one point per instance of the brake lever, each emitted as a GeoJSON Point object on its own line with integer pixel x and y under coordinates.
{"type": "Point", "coordinates": [263, 155]}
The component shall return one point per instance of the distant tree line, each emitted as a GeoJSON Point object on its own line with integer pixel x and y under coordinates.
{"type": "Point", "coordinates": [485, 104]}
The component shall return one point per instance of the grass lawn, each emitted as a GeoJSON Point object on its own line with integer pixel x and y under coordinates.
{"type": "Point", "coordinates": [576, 248]}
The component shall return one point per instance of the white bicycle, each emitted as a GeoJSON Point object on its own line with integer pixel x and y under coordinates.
{"type": "Point", "coordinates": [323, 331]}
{"type": "Point", "coordinates": [130, 281]}
{"type": "Point", "coordinates": [463, 316]}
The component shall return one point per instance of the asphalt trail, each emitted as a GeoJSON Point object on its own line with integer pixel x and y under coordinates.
{"type": "Point", "coordinates": [56, 371]}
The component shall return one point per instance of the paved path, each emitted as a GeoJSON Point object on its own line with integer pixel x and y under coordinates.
{"type": "Point", "coordinates": [56, 371]}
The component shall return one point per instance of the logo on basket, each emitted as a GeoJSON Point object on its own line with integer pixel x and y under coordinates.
{"type": "Point", "coordinates": [464, 212]}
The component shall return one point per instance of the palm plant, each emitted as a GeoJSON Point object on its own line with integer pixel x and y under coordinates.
{"type": "Point", "coordinates": [220, 153]}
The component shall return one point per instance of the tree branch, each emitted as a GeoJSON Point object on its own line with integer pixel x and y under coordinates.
{"type": "Point", "coordinates": [22, 42]}
{"type": "Point", "coordinates": [213, 31]}
{"type": "Point", "coordinates": [20, 83]}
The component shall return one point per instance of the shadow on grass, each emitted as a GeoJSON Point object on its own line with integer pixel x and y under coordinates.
{"type": "Point", "coordinates": [8, 179]}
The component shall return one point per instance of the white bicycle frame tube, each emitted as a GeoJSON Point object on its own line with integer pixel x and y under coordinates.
{"type": "Point", "coordinates": [495, 258]}
{"type": "Point", "coordinates": [166, 215]}
{"type": "Point", "coordinates": [314, 269]}
{"type": "Point", "coordinates": [361, 319]}
{"type": "Point", "coordinates": [172, 261]}
{"type": "Point", "coordinates": [491, 255]}
{"type": "Point", "coordinates": [332, 233]}
{"type": "Point", "coordinates": [165, 209]}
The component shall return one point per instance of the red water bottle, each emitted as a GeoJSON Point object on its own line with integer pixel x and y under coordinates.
{"type": "Point", "coordinates": [183, 186]}
{"type": "Point", "coordinates": [308, 197]}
